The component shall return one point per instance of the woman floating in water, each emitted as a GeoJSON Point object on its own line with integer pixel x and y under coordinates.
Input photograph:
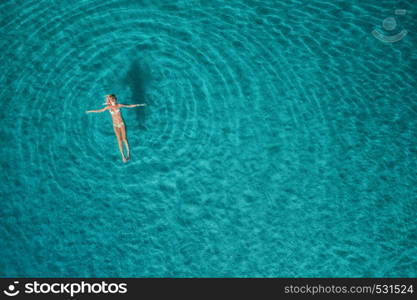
{"type": "Point", "coordinates": [118, 124]}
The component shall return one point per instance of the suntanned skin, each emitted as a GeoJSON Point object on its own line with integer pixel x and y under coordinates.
{"type": "Point", "coordinates": [118, 123]}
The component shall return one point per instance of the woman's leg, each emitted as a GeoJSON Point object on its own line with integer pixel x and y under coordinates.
{"type": "Point", "coordinates": [119, 141]}
{"type": "Point", "coordinates": [123, 131]}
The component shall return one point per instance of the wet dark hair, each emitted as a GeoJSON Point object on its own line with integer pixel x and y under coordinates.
{"type": "Point", "coordinates": [112, 96]}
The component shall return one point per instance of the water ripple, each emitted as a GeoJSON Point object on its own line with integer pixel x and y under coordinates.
{"type": "Point", "coordinates": [277, 139]}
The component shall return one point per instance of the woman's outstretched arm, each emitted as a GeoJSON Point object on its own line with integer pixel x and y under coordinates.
{"type": "Point", "coordinates": [132, 105]}
{"type": "Point", "coordinates": [96, 111]}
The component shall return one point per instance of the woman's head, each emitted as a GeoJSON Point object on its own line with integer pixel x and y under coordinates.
{"type": "Point", "coordinates": [110, 99]}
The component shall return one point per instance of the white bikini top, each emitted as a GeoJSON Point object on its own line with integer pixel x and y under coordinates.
{"type": "Point", "coordinates": [114, 111]}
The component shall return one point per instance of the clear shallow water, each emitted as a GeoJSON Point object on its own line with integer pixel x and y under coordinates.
{"type": "Point", "coordinates": [278, 140]}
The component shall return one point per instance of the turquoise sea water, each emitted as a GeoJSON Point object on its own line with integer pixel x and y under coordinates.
{"type": "Point", "coordinates": [279, 139]}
